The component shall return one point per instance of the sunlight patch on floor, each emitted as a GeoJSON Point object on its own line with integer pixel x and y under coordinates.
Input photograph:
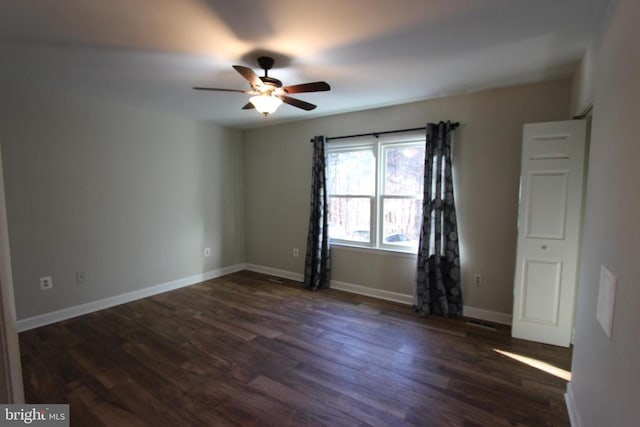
{"type": "Point", "coordinates": [538, 364]}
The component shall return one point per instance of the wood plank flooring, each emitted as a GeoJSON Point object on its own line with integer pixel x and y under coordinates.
{"type": "Point", "coordinates": [243, 351]}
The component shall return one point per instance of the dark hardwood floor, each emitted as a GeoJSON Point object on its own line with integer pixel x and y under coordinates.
{"type": "Point", "coordinates": [244, 351]}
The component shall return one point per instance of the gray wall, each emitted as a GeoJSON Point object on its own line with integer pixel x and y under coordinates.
{"type": "Point", "coordinates": [606, 372]}
{"type": "Point", "coordinates": [130, 197]}
{"type": "Point", "coordinates": [487, 165]}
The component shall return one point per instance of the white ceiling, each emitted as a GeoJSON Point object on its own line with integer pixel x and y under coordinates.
{"type": "Point", "coordinates": [149, 53]}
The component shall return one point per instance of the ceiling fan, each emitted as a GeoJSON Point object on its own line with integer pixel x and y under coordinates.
{"type": "Point", "coordinates": [267, 92]}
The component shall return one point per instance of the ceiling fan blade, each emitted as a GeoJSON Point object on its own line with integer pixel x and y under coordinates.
{"type": "Point", "coordinates": [297, 103]}
{"type": "Point", "coordinates": [217, 89]}
{"type": "Point", "coordinates": [248, 106]}
{"type": "Point", "coordinates": [308, 87]}
{"type": "Point", "coordinates": [248, 74]}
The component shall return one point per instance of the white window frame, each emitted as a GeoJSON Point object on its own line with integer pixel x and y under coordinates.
{"type": "Point", "coordinates": [377, 145]}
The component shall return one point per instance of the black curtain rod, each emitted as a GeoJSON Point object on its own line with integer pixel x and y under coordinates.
{"type": "Point", "coordinates": [377, 134]}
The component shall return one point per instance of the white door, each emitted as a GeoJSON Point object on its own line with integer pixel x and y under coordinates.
{"type": "Point", "coordinates": [549, 224]}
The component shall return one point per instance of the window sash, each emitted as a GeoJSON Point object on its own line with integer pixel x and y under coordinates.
{"type": "Point", "coordinates": [380, 150]}
{"type": "Point", "coordinates": [354, 230]}
{"type": "Point", "coordinates": [385, 148]}
{"type": "Point", "coordinates": [352, 149]}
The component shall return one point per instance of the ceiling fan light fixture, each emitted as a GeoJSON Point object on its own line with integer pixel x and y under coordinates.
{"type": "Point", "coordinates": [268, 92]}
{"type": "Point", "coordinates": [266, 104]}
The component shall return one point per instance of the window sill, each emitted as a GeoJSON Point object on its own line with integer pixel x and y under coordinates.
{"type": "Point", "coordinates": [402, 253]}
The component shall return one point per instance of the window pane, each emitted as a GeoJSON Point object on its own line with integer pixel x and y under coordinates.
{"type": "Point", "coordinates": [350, 218]}
{"type": "Point", "coordinates": [402, 219]}
{"type": "Point", "coordinates": [404, 167]}
{"type": "Point", "coordinates": [351, 172]}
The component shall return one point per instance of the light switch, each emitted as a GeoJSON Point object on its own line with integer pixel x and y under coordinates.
{"type": "Point", "coordinates": [606, 299]}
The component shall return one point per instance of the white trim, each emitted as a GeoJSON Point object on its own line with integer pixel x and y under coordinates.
{"type": "Point", "coordinates": [9, 346]}
{"type": "Point", "coordinates": [101, 304]}
{"type": "Point", "coordinates": [341, 286]}
{"type": "Point", "coordinates": [473, 312]}
{"type": "Point", "coordinates": [378, 149]}
{"type": "Point", "coordinates": [298, 277]}
{"type": "Point", "coordinates": [372, 292]}
{"type": "Point", "coordinates": [488, 315]}
{"type": "Point", "coordinates": [574, 415]}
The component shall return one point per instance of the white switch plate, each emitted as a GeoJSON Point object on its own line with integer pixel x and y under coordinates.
{"type": "Point", "coordinates": [606, 299]}
{"type": "Point", "coordinates": [207, 251]}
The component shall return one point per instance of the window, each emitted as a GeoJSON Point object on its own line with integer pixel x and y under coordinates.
{"type": "Point", "coordinates": [375, 193]}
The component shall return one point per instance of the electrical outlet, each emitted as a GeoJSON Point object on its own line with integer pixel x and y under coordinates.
{"type": "Point", "coordinates": [81, 278]}
{"type": "Point", "coordinates": [296, 253]}
{"type": "Point", "coordinates": [477, 279]}
{"type": "Point", "coordinates": [46, 283]}
{"type": "Point", "coordinates": [207, 251]}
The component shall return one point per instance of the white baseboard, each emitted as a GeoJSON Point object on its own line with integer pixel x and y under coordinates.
{"type": "Point", "coordinates": [488, 315]}
{"type": "Point", "coordinates": [372, 292]}
{"type": "Point", "coordinates": [275, 272]}
{"type": "Point", "coordinates": [342, 286]}
{"type": "Point", "coordinates": [476, 313]}
{"type": "Point", "coordinates": [79, 310]}
{"type": "Point", "coordinates": [574, 415]}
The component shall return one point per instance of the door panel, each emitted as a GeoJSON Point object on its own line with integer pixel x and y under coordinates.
{"type": "Point", "coordinates": [547, 194]}
{"type": "Point", "coordinates": [541, 281]}
{"type": "Point", "coordinates": [549, 147]}
{"type": "Point", "coordinates": [549, 225]}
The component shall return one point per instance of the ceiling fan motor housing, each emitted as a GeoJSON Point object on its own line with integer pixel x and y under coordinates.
{"type": "Point", "coordinates": [266, 62]}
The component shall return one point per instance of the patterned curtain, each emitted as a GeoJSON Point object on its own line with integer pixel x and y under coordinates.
{"type": "Point", "coordinates": [317, 266]}
{"type": "Point", "coordinates": [438, 289]}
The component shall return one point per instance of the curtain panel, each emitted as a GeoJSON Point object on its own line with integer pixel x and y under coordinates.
{"type": "Point", "coordinates": [438, 289]}
{"type": "Point", "coordinates": [317, 267]}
